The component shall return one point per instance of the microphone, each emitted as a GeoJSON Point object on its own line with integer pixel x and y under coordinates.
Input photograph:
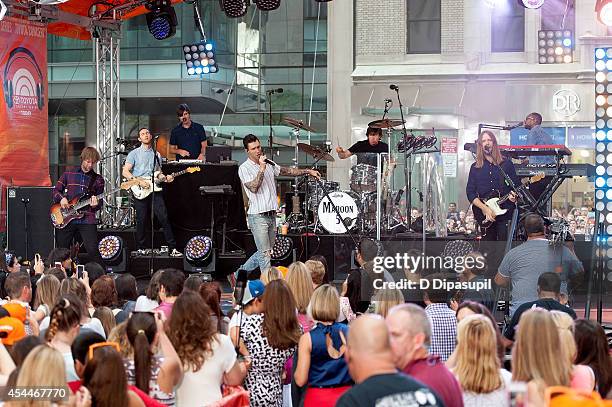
{"type": "Point", "coordinates": [394, 87]}
{"type": "Point", "coordinates": [268, 161]}
{"type": "Point", "coordinates": [519, 124]}
{"type": "Point", "coordinates": [388, 100]}
{"type": "Point", "coordinates": [273, 91]}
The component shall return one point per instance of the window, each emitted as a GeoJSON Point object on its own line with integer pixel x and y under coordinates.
{"type": "Point", "coordinates": [423, 27]}
{"type": "Point", "coordinates": [508, 27]}
{"type": "Point", "coordinates": [558, 15]}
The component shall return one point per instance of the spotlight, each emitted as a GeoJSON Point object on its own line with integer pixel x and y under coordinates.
{"type": "Point", "coordinates": [267, 5]}
{"type": "Point", "coordinates": [162, 19]}
{"type": "Point", "coordinates": [603, 148]}
{"type": "Point", "coordinates": [200, 58]}
{"type": "Point", "coordinates": [113, 253]}
{"type": "Point", "coordinates": [234, 8]}
{"type": "Point", "coordinates": [531, 4]}
{"type": "Point", "coordinates": [283, 246]}
{"type": "Point", "coordinates": [199, 256]}
{"type": "Point", "coordinates": [603, 8]}
{"type": "Point", "coordinates": [555, 46]}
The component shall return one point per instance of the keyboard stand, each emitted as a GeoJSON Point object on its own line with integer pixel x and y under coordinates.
{"type": "Point", "coordinates": [223, 192]}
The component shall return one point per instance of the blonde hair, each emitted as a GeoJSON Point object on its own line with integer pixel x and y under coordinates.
{"type": "Point", "coordinates": [535, 353]}
{"type": "Point", "coordinates": [119, 334]}
{"type": "Point", "coordinates": [43, 367]}
{"type": "Point", "coordinates": [107, 318]}
{"type": "Point", "coordinates": [271, 274]}
{"type": "Point", "coordinates": [47, 291]}
{"type": "Point", "coordinates": [317, 271]}
{"type": "Point", "coordinates": [90, 153]}
{"type": "Point", "coordinates": [476, 362]}
{"type": "Point", "coordinates": [386, 299]}
{"type": "Point", "coordinates": [325, 304]}
{"type": "Point", "coordinates": [565, 326]}
{"type": "Point", "coordinates": [300, 284]}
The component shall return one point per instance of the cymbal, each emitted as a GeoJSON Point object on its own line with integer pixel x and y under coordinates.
{"type": "Point", "coordinates": [385, 123]}
{"type": "Point", "coordinates": [315, 152]}
{"type": "Point", "coordinates": [299, 124]}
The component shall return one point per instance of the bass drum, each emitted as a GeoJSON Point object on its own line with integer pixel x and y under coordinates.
{"type": "Point", "coordinates": [346, 207]}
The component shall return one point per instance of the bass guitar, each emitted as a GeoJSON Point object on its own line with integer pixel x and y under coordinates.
{"type": "Point", "coordinates": [144, 186]}
{"type": "Point", "coordinates": [60, 217]}
{"type": "Point", "coordinates": [494, 201]}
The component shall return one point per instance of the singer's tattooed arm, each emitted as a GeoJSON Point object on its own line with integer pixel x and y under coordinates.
{"type": "Point", "coordinates": [254, 185]}
{"type": "Point", "coordinates": [292, 172]}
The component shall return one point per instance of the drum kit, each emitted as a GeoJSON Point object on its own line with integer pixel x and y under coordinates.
{"type": "Point", "coordinates": [326, 208]}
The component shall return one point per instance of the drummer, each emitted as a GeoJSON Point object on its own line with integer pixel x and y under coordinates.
{"type": "Point", "coordinates": [372, 145]}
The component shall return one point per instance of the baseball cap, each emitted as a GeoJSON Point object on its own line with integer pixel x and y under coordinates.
{"type": "Point", "coordinates": [16, 311]}
{"type": "Point", "coordinates": [11, 330]}
{"type": "Point", "coordinates": [254, 289]}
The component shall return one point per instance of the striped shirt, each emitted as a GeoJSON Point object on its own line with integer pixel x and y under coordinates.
{"type": "Point", "coordinates": [74, 183]}
{"type": "Point", "coordinates": [264, 199]}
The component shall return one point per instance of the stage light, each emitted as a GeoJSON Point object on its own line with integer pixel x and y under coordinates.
{"type": "Point", "coordinates": [199, 255]}
{"type": "Point", "coordinates": [282, 248]}
{"type": "Point", "coordinates": [113, 253]}
{"type": "Point", "coordinates": [531, 4]}
{"type": "Point", "coordinates": [603, 8]}
{"type": "Point", "coordinates": [555, 46]}
{"type": "Point", "coordinates": [234, 8]}
{"type": "Point", "coordinates": [267, 5]}
{"type": "Point", "coordinates": [200, 58]}
{"type": "Point", "coordinates": [162, 19]}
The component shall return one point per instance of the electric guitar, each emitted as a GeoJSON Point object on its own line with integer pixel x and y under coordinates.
{"type": "Point", "coordinates": [494, 201]}
{"type": "Point", "coordinates": [144, 186]}
{"type": "Point", "coordinates": [60, 217]}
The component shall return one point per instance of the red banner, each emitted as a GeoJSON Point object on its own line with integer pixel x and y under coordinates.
{"type": "Point", "coordinates": [24, 140]}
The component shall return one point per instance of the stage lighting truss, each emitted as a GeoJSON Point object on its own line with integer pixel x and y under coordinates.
{"type": "Point", "coordinates": [234, 8]}
{"type": "Point", "coordinates": [603, 8]}
{"type": "Point", "coordinates": [531, 4]}
{"type": "Point", "coordinates": [162, 19]}
{"type": "Point", "coordinates": [282, 248]}
{"type": "Point", "coordinates": [267, 5]}
{"type": "Point", "coordinates": [200, 58]}
{"type": "Point", "coordinates": [110, 248]}
{"type": "Point", "coordinates": [603, 149]}
{"type": "Point", "coordinates": [198, 249]}
{"type": "Point", "coordinates": [555, 46]}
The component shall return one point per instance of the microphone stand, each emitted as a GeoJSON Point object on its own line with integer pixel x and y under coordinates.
{"type": "Point", "coordinates": [271, 137]}
{"type": "Point", "coordinates": [155, 161]}
{"type": "Point", "coordinates": [407, 162]}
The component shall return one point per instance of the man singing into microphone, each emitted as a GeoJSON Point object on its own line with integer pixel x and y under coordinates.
{"type": "Point", "coordinates": [188, 139]}
{"type": "Point", "coordinates": [485, 180]}
{"type": "Point", "coordinates": [257, 175]}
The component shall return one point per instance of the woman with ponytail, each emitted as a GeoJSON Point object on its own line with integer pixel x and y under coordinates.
{"type": "Point", "coordinates": [154, 374]}
{"type": "Point", "coordinates": [321, 363]}
{"type": "Point", "coordinates": [63, 328]}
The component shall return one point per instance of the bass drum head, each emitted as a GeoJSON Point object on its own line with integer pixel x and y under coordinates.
{"type": "Point", "coordinates": [347, 209]}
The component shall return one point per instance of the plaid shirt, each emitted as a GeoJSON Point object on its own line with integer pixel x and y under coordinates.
{"type": "Point", "coordinates": [443, 329]}
{"type": "Point", "coordinates": [74, 183]}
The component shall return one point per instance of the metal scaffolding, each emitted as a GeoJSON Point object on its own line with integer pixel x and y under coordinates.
{"type": "Point", "coordinates": [106, 52]}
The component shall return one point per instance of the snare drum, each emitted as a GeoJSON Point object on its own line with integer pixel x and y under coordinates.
{"type": "Point", "coordinates": [347, 209]}
{"type": "Point", "coordinates": [363, 178]}
{"type": "Point", "coordinates": [316, 192]}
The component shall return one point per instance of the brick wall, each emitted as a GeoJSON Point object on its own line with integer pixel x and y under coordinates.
{"type": "Point", "coordinates": [452, 16]}
{"type": "Point", "coordinates": [380, 27]}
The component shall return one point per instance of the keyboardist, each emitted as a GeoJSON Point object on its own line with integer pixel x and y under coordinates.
{"type": "Point", "coordinates": [188, 139]}
{"type": "Point", "coordinates": [537, 136]}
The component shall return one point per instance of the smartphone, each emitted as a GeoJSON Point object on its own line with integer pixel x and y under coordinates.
{"type": "Point", "coordinates": [80, 268]}
{"type": "Point", "coordinates": [517, 394]}
{"type": "Point", "coordinates": [58, 264]}
{"type": "Point", "coordinates": [37, 258]}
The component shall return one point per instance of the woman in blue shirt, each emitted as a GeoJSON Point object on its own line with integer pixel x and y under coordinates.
{"type": "Point", "coordinates": [321, 362]}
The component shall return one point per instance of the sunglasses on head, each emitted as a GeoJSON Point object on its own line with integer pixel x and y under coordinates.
{"type": "Point", "coordinates": [95, 346]}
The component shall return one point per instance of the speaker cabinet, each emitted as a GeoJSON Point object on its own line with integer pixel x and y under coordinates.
{"type": "Point", "coordinates": [27, 209]}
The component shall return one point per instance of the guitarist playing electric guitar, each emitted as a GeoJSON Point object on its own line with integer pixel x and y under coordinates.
{"type": "Point", "coordinates": [142, 163]}
{"type": "Point", "coordinates": [485, 178]}
{"type": "Point", "coordinates": [74, 183]}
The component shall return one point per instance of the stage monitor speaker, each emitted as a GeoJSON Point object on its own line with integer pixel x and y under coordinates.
{"type": "Point", "coordinates": [27, 208]}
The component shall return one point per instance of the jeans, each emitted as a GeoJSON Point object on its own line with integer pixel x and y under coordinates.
{"type": "Point", "coordinates": [143, 207]}
{"type": "Point", "coordinates": [263, 228]}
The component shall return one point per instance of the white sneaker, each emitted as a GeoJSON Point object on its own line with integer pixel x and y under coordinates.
{"type": "Point", "coordinates": [175, 253]}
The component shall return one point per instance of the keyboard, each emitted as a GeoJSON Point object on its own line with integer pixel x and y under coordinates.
{"type": "Point", "coordinates": [567, 170]}
{"type": "Point", "coordinates": [522, 151]}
